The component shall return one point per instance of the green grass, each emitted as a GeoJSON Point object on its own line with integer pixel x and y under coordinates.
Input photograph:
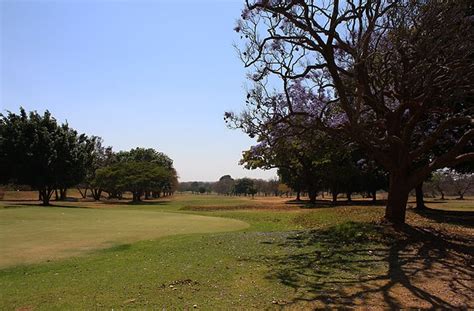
{"type": "Point", "coordinates": [31, 234]}
{"type": "Point", "coordinates": [285, 257]}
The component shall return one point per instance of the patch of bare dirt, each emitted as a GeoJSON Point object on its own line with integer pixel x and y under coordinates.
{"type": "Point", "coordinates": [428, 265]}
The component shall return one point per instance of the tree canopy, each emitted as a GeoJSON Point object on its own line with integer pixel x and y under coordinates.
{"type": "Point", "coordinates": [394, 77]}
{"type": "Point", "coordinates": [138, 177]}
{"type": "Point", "coordinates": [37, 151]}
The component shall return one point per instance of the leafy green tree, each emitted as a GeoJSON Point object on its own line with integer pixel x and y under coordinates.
{"type": "Point", "coordinates": [244, 186]}
{"type": "Point", "coordinates": [133, 176]}
{"type": "Point", "coordinates": [75, 152]}
{"type": "Point", "coordinates": [37, 151]}
{"type": "Point", "coordinates": [150, 155]}
{"type": "Point", "coordinates": [145, 155]}
{"type": "Point", "coordinates": [372, 177]}
{"type": "Point", "coordinates": [461, 182]}
{"type": "Point", "coordinates": [440, 181]}
{"type": "Point", "coordinates": [99, 157]}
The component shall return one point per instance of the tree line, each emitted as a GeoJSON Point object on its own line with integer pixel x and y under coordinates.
{"type": "Point", "coordinates": [226, 185]}
{"type": "Point", "coordinates": [313, 163]}
{"type": "Point", "coordinates": [389, 82]}
{"type": "Point", "coordinates": [37, 151]}
{"type": "Point", "coordinates": [450, 182]}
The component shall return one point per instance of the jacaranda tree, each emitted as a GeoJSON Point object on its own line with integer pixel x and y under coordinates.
{"type": "Point", "coordinates": [394, 77]}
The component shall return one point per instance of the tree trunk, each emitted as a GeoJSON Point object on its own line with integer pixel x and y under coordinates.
{"type": "Point", "coordinates": [442, 195]}
{"type": "Point", "coordinates": [334, 197]}
{"type": "Point", "coordinates": [374, 196]}
{"type": "Point", "coordinates": [45, 195]}
{"type": "Point", "coordinates": [56, 194]}
{"type": "Point", "coordinates": [83, 194]}
{"type": "Point", "coordinates": [461, 196]}
{"type": "Point", "coordinates": [136, 196]}
{"type": "Point", "coordinates": [298, 195]}
{"type": "Point", "coordinates": [349, 197]}
{"type": "Point", "coordinates": [397, 200]}
{"type": "Point", "coordinates": [96, 193]}
{"type": "Point", "coordinates": [420, 203]}
{"type": "Point", "coordinates": [312, 196]}
{"type": "Point", "coordinates": [62, 194]}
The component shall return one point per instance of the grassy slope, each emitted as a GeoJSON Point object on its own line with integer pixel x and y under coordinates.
{"type": "Point", "coordinates": [274, 261]}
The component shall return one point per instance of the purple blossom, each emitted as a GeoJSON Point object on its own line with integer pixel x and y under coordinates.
{"type": "Point", "coordinates": [276, 45]}
{"type": "Point", "coordinates": [245, 13]}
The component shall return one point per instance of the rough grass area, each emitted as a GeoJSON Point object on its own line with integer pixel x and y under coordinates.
{"type": "Point", "coordinates": [290, 257]}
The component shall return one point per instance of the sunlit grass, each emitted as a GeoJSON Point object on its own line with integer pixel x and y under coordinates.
{"type": "Point", "coordinates": [288, 255]}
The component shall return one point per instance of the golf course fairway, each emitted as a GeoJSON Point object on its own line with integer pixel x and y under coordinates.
{"type": "Point", "coordinates": [38, 234]}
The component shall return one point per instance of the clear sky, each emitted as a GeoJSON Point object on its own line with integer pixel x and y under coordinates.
{"type": "Point", "coordinates": [154, 74]}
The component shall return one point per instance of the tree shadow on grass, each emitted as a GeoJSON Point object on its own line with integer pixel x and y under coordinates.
{"type": "Point", "coordinates": [22, 204]}
{"type": "Point", "coordinates": [353, 265]}
{"type": "Point", "coordinates": [130, 202]}
{"type": "Point", "coordinates": [463, 218]}
{"type": "Point", "coordinates": [19, 200]}
{"type": "Point", "coordinates": [329, 204]}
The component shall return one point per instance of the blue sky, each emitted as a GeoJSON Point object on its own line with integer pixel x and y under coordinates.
{"type": "Point", "coordinates": [154, 74]}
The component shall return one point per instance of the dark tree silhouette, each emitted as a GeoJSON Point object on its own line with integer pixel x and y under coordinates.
{"type": "Point", "coordinates": [37, 151]}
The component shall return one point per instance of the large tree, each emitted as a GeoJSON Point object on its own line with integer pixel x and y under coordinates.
{"type": "Point", "coordinates": [133, 176]}
{"type": "Point", "coordinates": [118, 172]}
{"type": "Point", "coordinates": [150, 155]}
{"type": "Point", "coordinates": [396, 77]}
{"type": "Point", "coordinates": [37, 151]}
{"type": "Point", "coordinates": [145, 155]}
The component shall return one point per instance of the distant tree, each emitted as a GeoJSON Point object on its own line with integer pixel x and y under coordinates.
{"type": "Point", "coordinates": [136, 177]}
{"type": "Point", "coordinates": [306, 160]}
{"type": "Point", "coordinates": [244, 186]}
{"type": "Point", "coordinates": [461, 183]}
{"type": "Point", "coordinates": [440, 181]}
{"type": "Point", "coordinates": [37, 151]}
{"type": "Point", "coordinates": [284, 190]}
{"type": "Point", "coordinates": [295, 155]}
{"type": "Point", "coordinates": [171, 183]}
{"type": "Point", "coordinates": [273, 186]}
{"type": "Point", "coordinates": [150, 155]}
{"type": "Point", "coordinates": [372, 177]}
{"type": "Point", "coordinates": [225, 185]}
{"type": "Point", "coordinates": [195, 187]}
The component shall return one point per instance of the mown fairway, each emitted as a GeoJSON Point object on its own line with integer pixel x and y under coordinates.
{"type": "Point", "coordinates": [33, 234]}
{"type": "Point", "coordinates": [289, 257]}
